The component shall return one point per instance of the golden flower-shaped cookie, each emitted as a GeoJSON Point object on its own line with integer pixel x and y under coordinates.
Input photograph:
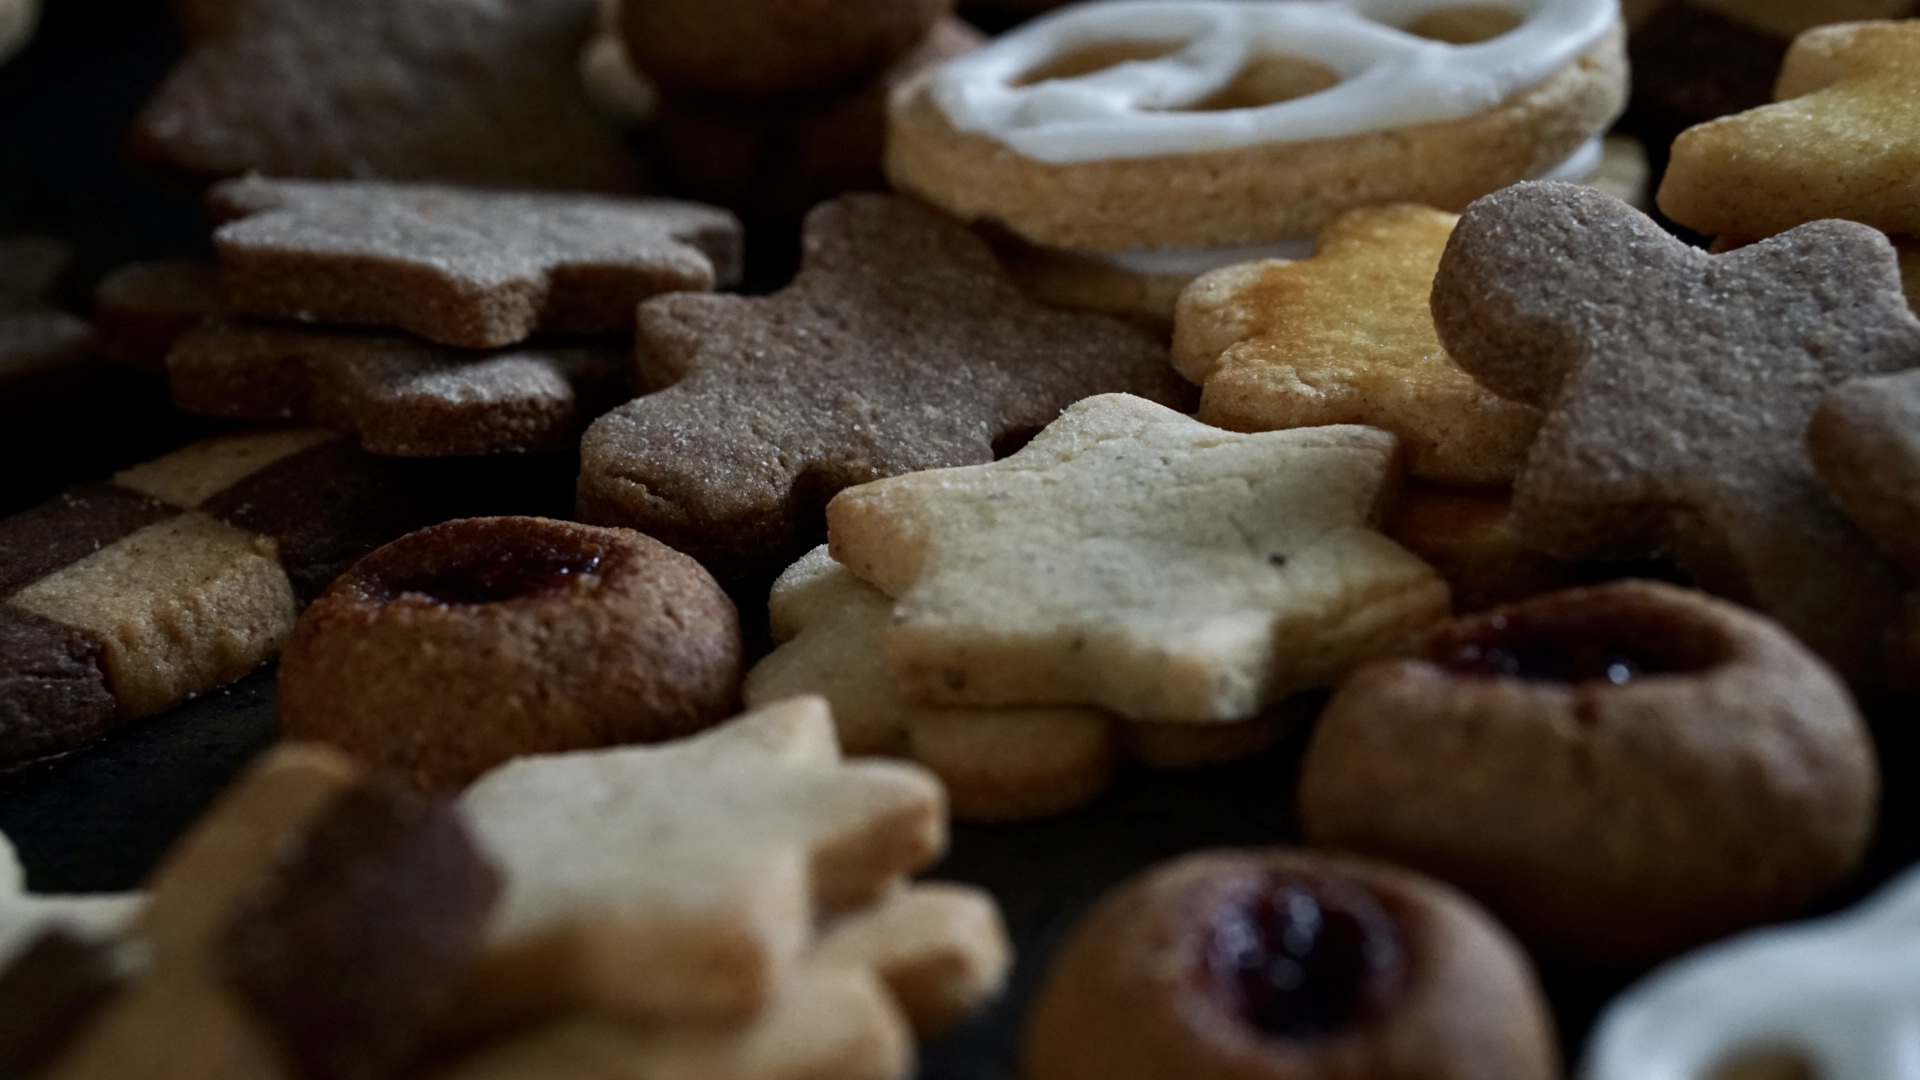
{"type": "Point", "coordinates": [684, 880]}
{"type": "Point", "coordinates": [1840, 142]}
{"type": "Point", "coordinates": [1346, 337]}
{"type": "Point", "coordinates": [1134, 558]}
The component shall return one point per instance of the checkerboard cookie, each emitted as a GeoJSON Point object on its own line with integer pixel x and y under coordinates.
{"type": "Point", "coordinates": [119, 600]}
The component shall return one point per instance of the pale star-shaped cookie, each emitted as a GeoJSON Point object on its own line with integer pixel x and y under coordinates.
{"type": "Point", "coordinates": [1346, 337]}
{"type": "Point", "coordinates": [1134, 558]}
{"type": "Point", "coordinates": [1840, 142]}
{"type": "Point", "coordinates": [684, 879]}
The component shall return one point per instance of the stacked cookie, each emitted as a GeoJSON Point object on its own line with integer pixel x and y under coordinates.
{"type": "Point", "coordinates": [44, 352]}
{"type": "Point", "coordinates": [470, 277]}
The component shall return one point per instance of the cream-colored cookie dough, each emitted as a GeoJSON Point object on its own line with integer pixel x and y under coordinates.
{"type": "Point", "coordinates": [1346, 337]}
{"type": "Point", "coordinates": [684, 880]}
{"type": "Point", "coordinates": [1135, 559]}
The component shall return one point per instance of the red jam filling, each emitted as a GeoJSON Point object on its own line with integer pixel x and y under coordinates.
{"type": "Point", "coordinates": [1577, 642]}
{"type": "Point", "coordinates": [505, 575]}
{"type": "Point", "coordinates": [1299, 962]}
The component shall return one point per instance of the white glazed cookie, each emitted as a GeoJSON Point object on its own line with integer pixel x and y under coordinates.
{"type": "Point", "coordinates": [1178, 123]}
{"type": "Point", "coordinates": [1133, 558]}
{"type": "Point", "coordinates": [1839, 995]}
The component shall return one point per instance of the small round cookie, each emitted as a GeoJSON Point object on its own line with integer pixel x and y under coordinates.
{"type": "Point", "coordinates": [1619, 772]}
{"type": "Point", "coordinates": [1288, 965]}
{"type": "Point", "coordinates": [763, 50]}
{"type": "Point", "coordinates": [457, 647]}
{"type": "Point", "coordinates": [1130, 124]}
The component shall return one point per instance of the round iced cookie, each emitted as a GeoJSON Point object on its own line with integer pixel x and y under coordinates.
{"type": "Point", "coordinates": [1130, 124]}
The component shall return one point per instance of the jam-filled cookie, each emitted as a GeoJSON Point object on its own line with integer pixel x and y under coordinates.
{"type": "Point", "coordinates": [1284, 964]}
{"type": "Point", "coordinates": [1620, 772]}
{"type": "Point", "coordinates": [458, 647]}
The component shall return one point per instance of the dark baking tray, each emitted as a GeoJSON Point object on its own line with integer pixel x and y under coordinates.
{"type": "Point", "coordinates": [98, 820]}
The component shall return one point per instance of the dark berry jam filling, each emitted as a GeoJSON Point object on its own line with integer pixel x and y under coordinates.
{"type": "Point", "coordinates": [504, 575]}
{"type": "Point", "coordinates": [1579, 640]}
{"type": "Point", "coordinates": [1298, 961]}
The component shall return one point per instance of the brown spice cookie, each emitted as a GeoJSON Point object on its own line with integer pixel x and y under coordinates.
{"type": "Point", "coordinates": [402, 396]}
{"type": "Point", "coordinates": [761, 50]}
{"type": "Point", "coordinates": [1620, 772]}
{"type": "Point", "coordinates": [478, 269]}
{"type": "Point", "coordinates": [901, 346]}
{"type": "Point", "coordinates": [141, 309]}
{"type": "Point", "coordinates": [455, 648]}
{"type": "Point", "coordinates": [459, 90]}
{"type": "Point", "coordinates": [1288, 965]}
{"type": "Point", "coordinates": [1465, 534]}
{"type": "Point", "coordinates": [1678, 394]}
{"type": "Point", "coordinates": [779, 159]}
{"type": "Point", "coordinates": [1865, 440]}
{"type": "Point", "coordinates": [44, 352]}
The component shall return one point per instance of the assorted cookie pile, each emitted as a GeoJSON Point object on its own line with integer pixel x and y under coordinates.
{"type": "Point", "coordinates": [1215, 371]}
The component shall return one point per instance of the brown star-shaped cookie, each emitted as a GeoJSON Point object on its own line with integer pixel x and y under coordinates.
{"type": "Point", "coordinates": [479, 91]}
{"type": "Point", "coordinates": [1678, 387]}
{"type": "Point", "coordinates": [901, 346]}
{"type": "Point", "coordinates": [467, 267]}
{"type": "Point", "coordinates": [404, 397]}
{"type": "Point", "coordinates": [1865, 440]}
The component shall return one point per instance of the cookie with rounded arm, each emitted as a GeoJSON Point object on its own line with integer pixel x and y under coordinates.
{"type": "Point", "coordinates": [1346, 337]}
{"type": "Point", "coordinates": [1678, 392]}
{"type": "Point", "coordinates": [401, 396]}
{"type": "Point", "coordinates": [1865, 440]}
{"type": "Point", "coordinates": [461, 266]}
{"type": "Point", "coordinates": [901, 345]}
{"type": "Point", "coordinates": [763, 51]}
{"type": "Point", "coordinates": [467, 91]}
{"type": "Point", "coordinates": [25, 915]}
{"type": "Point", "coordinates": [1133, 558]}
{"type": "Point", "coordinates": [1838, 143]}
{"type": "Point", "coordinates": [1005, 763]}
{"type": "Point", "coordinates": [143, 308]}
{"type": "Point", "coordinates": [683, 881]}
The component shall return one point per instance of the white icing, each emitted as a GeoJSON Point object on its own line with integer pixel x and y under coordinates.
{"type": "Point", "coordinates": [1389, 78]}
{"type": "Point", "coordinates": [1842, 993]}
{"type": "Point", "coordinates": [1192, 262]}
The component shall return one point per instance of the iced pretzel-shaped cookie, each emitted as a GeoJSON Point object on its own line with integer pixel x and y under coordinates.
{"type": "Point", "coordinates": [1263, 117]}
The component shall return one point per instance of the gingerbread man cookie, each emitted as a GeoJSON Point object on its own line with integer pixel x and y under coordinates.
{"type": "Point", "coordinates": [1678, 394]}
{"type": "Point", "coordinates": [901, 346]}
{"type": "Point", "coordinates": [401, 396]}
{"type": "Point", "coordinates": [1840, 142]}
{"type": "Point", "coordinates": [473, 268]}
{"type": "Point", "coordinates": [683, 880]}
{"type": "Point", "coordinates": [1136, 559]}
{"type": "Point", "coordinates": [457, 90]}
{"type": "Point", "coordinates": [1346, 337]}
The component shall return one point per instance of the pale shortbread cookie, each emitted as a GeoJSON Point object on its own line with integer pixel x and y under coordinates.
{"type": "Point", "coordinates": [1147, 294]}
{"type": "Point", "coordinates": [1841, 142]}
{"type": "Point", "coordinates": [683, 880]}
{"type": "Point", "coordinates": [24, 915]}
{"type": "Point", "coordinates": [1133, 558]}
{"type": "Point", "coordinates": [1004, 763]}
{"type": "Point", "coordinates": [1790, 18]}
{"type": "Point", "coordinates": [1265, 193]}
{"type": "Point", "coordinates": [915, 963]}
{"type": "Point", "coordinates": [1346, 337]}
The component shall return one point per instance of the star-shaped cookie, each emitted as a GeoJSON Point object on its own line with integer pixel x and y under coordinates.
{"type": "Point", "coordinates": [1840, 142]}
{"type": "Point", "coordinates": [474, 91]}
{"type": "Point", "coordinates": [1865, 440]}
{"type": "Point", "coordinates": [1678, 387]}
{"type": "Point", "coordinates": [1007, 763]}
{"type": "Point", "coordinates": [25, 915]}
{"type": "Point", "coordinates": [1134, 558]}
{"type": "Point", "coordinates": [467, 267]}
{"type": "Point", "coordinates": [902, 345]}
{"type": "Point", "coordinates": [1346, 337]}
{"type": "Point", "coordinates": [684, 880]}
{"type": "Point", "coordinates": [402, 396]}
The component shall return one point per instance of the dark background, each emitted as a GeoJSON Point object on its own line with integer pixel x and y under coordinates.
{"type": "Point", "coordinates": [98, 820]}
